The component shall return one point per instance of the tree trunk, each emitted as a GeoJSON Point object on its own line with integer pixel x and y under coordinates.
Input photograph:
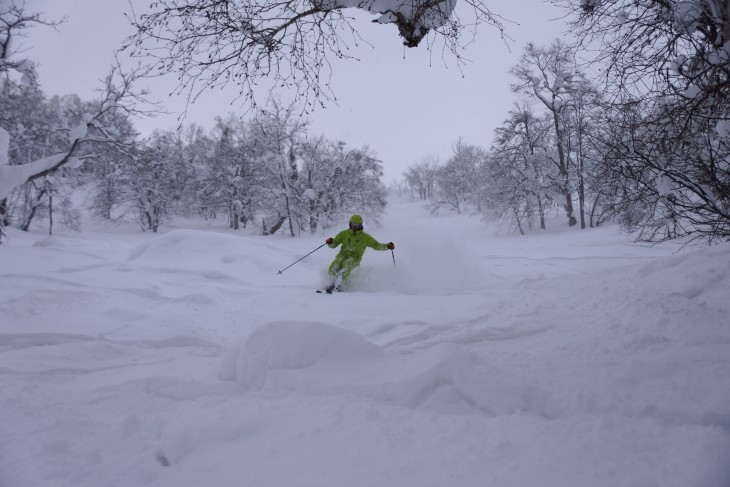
{"type": "Point", "coordinates": [26, 224]}
{"type": "Point", "coordinates": [234, 218]}
{"type": "Point", "coordinates": [50, 214]}
{"type": "Point", "coordinates": [582, 201]}
{"type": "Point", "coordinates": [563, 170]}
{"type": "Point", "coordinates": [541, 209]}
{"type": "Point", "coordinates": [519, 223]}
{"type": "Point", "coordinates": [312, 216]}
{"type": "Point", "coordinates": [291, 220]}
{"type": "Point", "coordinates": [276, 226]}
{"type": "Point", "coordinates": [4, 213]}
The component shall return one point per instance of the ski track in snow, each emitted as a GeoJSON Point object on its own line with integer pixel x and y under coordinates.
{"type": "Point", "coordinates": [569, 358]}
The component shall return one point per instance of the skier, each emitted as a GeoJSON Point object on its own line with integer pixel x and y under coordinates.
{"type": "Point", "coordinates": [353, 241]}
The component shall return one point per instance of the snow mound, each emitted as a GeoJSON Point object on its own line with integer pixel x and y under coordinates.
{"type": "Point", "coordinates": [197, 429]}
{"type": "Point", "coordinates": [322, 359]}
{"type": "Point", "coordinates": [692, 274]}
{"type": "Point", "coordinates": [185, 243]}
{"type": "Point", "coordinates": [204, 250]}
{"type": "Point", "coordinates": [292, 345]}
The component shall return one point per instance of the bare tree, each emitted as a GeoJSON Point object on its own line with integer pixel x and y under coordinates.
{"type": "Point", "coordinates": [672, 185]}
{"type": "Point", "coordinates": [520, 168]}
{"type": "Point", "coordinates": [289, 43]}
{"type": "Point", "coordinates": [668, 75]}
{"type": "Point", "coordinates": [116, 95]}
{"type": "Point", "coordinates": [422, 176]}
{"type": "Point", "coordinates": [278, 131]}
{"type": "Point", "coordinates": [457, 181]}
{"type": "Point", "coordinates": [13, 21]}
{"type": "Point", "coordinates": [579, 122]}
{"type": "Point", "coordinates": [548, 74]}
{"type": "Point", "coordinates": [398, 186]}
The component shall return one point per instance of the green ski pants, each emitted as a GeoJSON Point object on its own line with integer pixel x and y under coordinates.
{"type": "Point", "coordinates": [342, 266]}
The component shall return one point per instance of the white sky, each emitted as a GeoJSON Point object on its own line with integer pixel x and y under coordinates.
{"type": "Point", "coordinates": [392, 100]}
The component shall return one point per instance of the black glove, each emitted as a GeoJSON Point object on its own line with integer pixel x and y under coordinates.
{"type": "Point", "coordinates": [391, 245]}
{"type": "Point", "coordinates": [329, 241]}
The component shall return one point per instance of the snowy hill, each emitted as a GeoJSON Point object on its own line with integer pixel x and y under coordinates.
{"type": "Point", "coordinates": [571, 358]}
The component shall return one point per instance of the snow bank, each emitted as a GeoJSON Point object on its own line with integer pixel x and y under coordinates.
{"type": "Point", "coordinates": [217, 253]}
{"type": "Point", "coordinates": [196, 429]}
{"type": "Point", "coordinates": [578, 360]}
{"type": "Point", "coordinates": [292, 345]}
{"type": "Point", "coordinates": [322, 359]}
{"type": "Point", "coordinates": [178, 244]}
{"type": "Point", "coordinates": [691, 275]}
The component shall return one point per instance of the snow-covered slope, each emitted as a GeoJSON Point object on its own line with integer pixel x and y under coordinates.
{"type": "Point", "coordinates": [570, 358]}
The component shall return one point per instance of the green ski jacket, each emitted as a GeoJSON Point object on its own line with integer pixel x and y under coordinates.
{"type": "Point", "coordinates": [354, 244]}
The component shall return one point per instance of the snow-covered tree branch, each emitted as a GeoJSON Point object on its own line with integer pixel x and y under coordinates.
{"type": "Point", "coordinates": [288, 43]}
{"type": "Point", "coordinates": [14, 19]}
{"type": "Point", "coordinates": [89, 126]}
{"type": "Point", "coordinates": [117, 94]}
{"type": "Point", "coordinates": [668, 74]}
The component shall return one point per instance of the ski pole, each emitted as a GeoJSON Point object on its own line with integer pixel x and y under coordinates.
{"type": "Point", "coordinates": [313, 251]}
{"type": "Point", "coordinates": [393, 252]}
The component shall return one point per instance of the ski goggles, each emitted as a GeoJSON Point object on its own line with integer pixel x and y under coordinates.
{"type": "Point", "coordinates": [355, 226]}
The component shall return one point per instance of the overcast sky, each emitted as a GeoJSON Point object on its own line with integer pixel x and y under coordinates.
{"type": "Point", "coordinates": [403, 103]}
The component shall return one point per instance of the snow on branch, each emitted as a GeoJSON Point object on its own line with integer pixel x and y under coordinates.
{"type": "Point", "coordinates": [117, 94]}
{"type": "Point", "coordinates": [14, 176]}
{"type": "Point", "coordinates": [282, 43]}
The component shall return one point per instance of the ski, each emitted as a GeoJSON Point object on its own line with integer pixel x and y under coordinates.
{"type": "Point", "coordinates": [329, 289]}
